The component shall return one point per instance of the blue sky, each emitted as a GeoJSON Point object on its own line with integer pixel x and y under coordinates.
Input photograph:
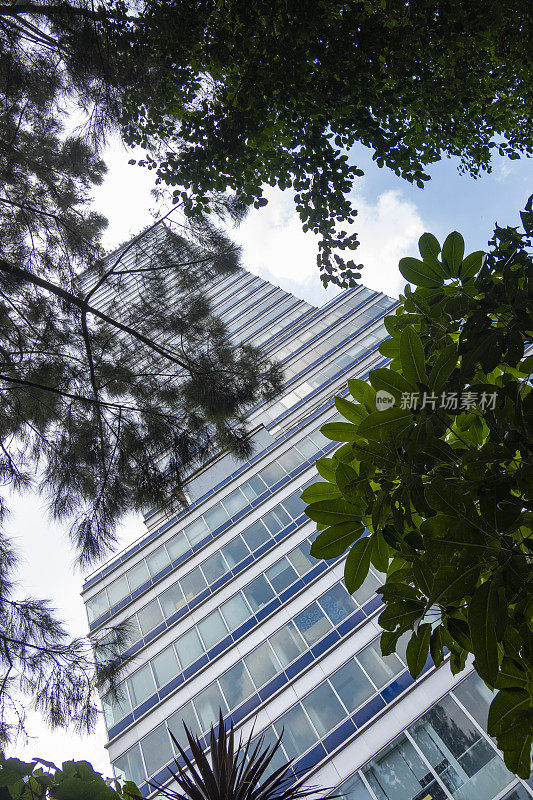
{"type": "Point", "coordinates": [393, 214]}
{"type": "Point", "coordinates": [454, 201]}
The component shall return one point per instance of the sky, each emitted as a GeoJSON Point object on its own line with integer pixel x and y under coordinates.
{"type": "Point", "coordinates": [392, 216]}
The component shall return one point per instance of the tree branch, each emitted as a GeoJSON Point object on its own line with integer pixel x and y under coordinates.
{"type": "Point", "coordinates": [83, 306]}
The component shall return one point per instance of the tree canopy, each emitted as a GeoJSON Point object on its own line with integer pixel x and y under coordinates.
{"type": "Point", "coordinates": [42, 780]}
{"type": "Point", "coordinates": [115, 375]}
{"type": "Point", "coordinates": [434, 482]}
{"type": "Point", "coordinates": [236, 96]}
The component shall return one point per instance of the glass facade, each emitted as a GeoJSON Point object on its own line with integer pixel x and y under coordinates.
{"type": "Point", "coordinates": [282, 643]}
{"type": "Point", "coordinates": [444, 755]}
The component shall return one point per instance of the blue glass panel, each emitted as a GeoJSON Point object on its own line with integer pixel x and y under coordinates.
{"type": "Point", "coordinates": [339, 736]}
{"type": "Point", "coordinates": [368, 711]}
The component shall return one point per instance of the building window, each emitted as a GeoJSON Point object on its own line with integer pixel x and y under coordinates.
{"type": "Point", "coordinates": [312, 623]}
{"type": "Point", "coordinates": [258, 593]}
{"type": "Point", "coordinates": [188, 647]}
{"type": "Point", "coordinates": [298, 733]}
{"type": "Point", "coordinates": [261, 664]}
{"type": "Point", "coordinates": [165, 666]}
{"type": "Point", "coordinates": [236, 685]}
{"type": "Point", "coordinates": [150, 616]}
{"type": "Point", "coordinates": [141, 685]}
{"type": "Point", "coordinates": [324, 709]}
{"type": "Point", "coordinates": [156, 749]}
{"type": "Point", "coordinates": [212, 629]}
{"type": "Point", "coordinates": [352, 685]}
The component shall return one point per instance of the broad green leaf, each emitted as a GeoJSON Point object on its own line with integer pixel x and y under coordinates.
{"type": "Point", "coordinates": [339, 431]}
{"type": "Point", "coordinates": [412, 357]}
{"type": "Point", "coordinates": [420, 273]}
{"type": "Point", "coordinates": [380, 552]}
{"type": "Point", "coordinates": [482, 615]}
{"type": "Point", "coordinates": [390, 323]}
{"type": "Point", "coordinates": [398, 591]}
{"type": "Point", "coordinates": [390, 348]}
{"type": "Point", "coordinates": [443, 367]}
{"type": "Point", "coordinates": [388, 642]}
{"type": "Point", "coordinates": [363, 393]}
{"type": "Point", "coordinates": [380, 510]}
{"type": "Point", "coordinates": [418, 650]}
{"type": "Point", "coordinates": [383, 424]}
{"type": "Point", "coordinates": [358, 564]}
{"type": "Point", "coordinates": [320, 491]}
{"type": "Point", "coordinates": [390, 381]}
{"type": "Point", "coordinates": [429, 248]}
{"type": "Point", "coordinates": [517, 752]}
{"type": "Point", "coordinates": [442, 495]}
{"type": "Point", "coordinates": [436, 646]}
{"type": "Point", "coordinates": [471, 265]}
{"type": "Point", "coordinates": [511, 676]}
{"type": "Point", "coordinates": [423, 576]}
{"type": "Point", "coordinates": [401, 614]}
{"type": "Point", "coordinates": [334, 511]}
{"type": "Point", "coordinates": [326, 468]}
{"type": "Point", "coordinates": [452, 582]}
{"type": "Point", "coordinates": [379, 453]}
{"type": "Point", "coordinates": [334, 540]}
{"type": "Point", "coordinates": [452, 253]}
{"type": "Point", "coordinates": [506, 704]}
{"type": "Point", "coordinates": [347, 480]}
{"type": "Point", "coordinates": [351, 411]}
{"type": "Point", "coordinates": [460, 632]}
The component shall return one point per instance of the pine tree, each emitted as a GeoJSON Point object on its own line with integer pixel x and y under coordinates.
{"type": "Point", "coordinates": [115, 376]}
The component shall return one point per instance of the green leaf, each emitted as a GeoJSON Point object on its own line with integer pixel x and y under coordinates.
{"type": "Point", "coordinates": [452, 582]}
{"type": "Point", "coordinates": [363, 393]}
{"type": "Point", "coordinates": [358, 564]}
{"type": "Point", "coordinates": [394, 590]}
{"type": "Point", "coordinates": [351, 411]}
{"type": "Point", "coordinates": [436, 646]}
{"type": "Point", "coordinates": [420, 273]}
{"type": "Point", "coordinates": [504, 707]}
{"type": "Point", "coordinates": [348, 480]}
{"type": "Point", "coordinates": [380, 552]}
{"type": "Point", "coordinates": [511, 676]}
{"type": "Point", "coordinates": [382, 424]}
{"type": "Point", "coordinates": [339, 431]}
{"type": "Point", "coordinates": [518, 756]}
{"type": "Point", "coordinates": [335, 540]}
{"type": "Point", "coordinates": [460, 633]}
{"type": "Point", "coordinates": [452, 253]}
{"type": "Point", "coordinates": [332, 512]}
{"type": "Point", "coordinates": [471, 265]}
{"type": "Point", "coordinates": [443, 367]}
{"type": "Point", "coordinates": [429, 248]}
{"type": "Point", "coordinates": [402, 613]}
{"type": "Point", "coordinates": [376, 452]}
{"type": "Point", "coordinates": [482, 615]}
{"type": "Point", "coordinates": [418, 650]}
{"type": "Point", "coordinates": [326, 468]}
{"type": "Point", "coordinates": [390, 348]}
{"type": "Point", "coordinates": [388, 642]}
{"type": "Point", "coordinates": [412, 356]}
{"type": "Point", "coordinates": [320, 491]}
{"type": "Point", "coordinates": [442, 495]}
{"type": "Point", "coordinates": [390, 381]}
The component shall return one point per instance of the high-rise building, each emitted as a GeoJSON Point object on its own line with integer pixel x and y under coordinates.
{"type": "Point", "coordinates": [228, 609]}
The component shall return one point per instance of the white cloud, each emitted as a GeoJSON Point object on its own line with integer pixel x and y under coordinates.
{"type": "Point", "coordinates": [273, 240]}
{"type": "Point", "coordinates": [388, 230]}
{"type": "Point", "coordinates": [275, 246]}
